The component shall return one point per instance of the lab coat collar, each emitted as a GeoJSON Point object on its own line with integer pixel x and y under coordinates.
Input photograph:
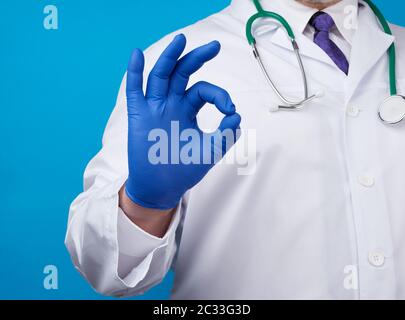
{"type": "Point", "coordinates": [370, 44]}
{"type": "Point", "coordinates": [299, 15]}
{"type": "Point", "coordinates": [295, 13]}
{"type": "Point", "coordinates": [369, 41]}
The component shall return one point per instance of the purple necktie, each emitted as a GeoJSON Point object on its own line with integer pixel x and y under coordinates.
{"type": "Point", "coordinates": [323, 22]}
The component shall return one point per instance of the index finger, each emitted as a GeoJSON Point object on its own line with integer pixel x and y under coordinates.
{"type": "Point", "coordinates": [190, 64]}
{"type": "Point", "coordinates": [203, 92]}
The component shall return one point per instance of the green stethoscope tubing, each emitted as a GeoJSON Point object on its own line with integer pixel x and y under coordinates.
{"type": "Point", "coordinates": [267, 14]}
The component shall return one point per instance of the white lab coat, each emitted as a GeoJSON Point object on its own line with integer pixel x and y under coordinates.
{"type": "Point", "coordinates": [322, 216]}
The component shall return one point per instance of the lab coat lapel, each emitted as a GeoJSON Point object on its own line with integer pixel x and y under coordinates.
{"type": "Point", "coordinates": [370, 44]}
{"type": "Point", "coordinates": [307, 47]}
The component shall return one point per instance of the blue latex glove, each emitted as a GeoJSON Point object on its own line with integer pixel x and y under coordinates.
{"type": "Point", "coordinates": [161, 186]}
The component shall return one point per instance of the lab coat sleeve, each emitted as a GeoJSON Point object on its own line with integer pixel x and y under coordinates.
{"type": "Point", "coordinates": [115, 256]}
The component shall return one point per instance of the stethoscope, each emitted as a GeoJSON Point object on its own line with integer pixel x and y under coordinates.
{"type": "Point", "coordinates": [391, 110]}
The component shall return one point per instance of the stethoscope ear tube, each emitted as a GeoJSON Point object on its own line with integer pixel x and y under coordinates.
{"type": "Point", "coordinates": [287, 103]}
{"type": "Point", "coordinates": [391, 111]}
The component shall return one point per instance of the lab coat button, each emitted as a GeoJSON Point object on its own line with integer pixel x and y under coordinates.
{"type": "Point", "coordinates": [366, 181]}
{"type": "Point", "coordinates": [353, 111]}
{"type": "Point", "coordinates": [376, 258]}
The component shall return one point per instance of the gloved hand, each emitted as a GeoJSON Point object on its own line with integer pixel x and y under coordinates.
{"type": "Point", "coordinates": [165, 105]}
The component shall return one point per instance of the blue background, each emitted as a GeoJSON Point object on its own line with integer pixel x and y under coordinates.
{"type": "Point", "coordinates": [57, 90]}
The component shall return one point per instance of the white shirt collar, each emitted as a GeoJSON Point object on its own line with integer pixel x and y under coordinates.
{"type": "Point", "coordinates": [345, 14]}
{"type": "Point", "coordinates": [298, 15]}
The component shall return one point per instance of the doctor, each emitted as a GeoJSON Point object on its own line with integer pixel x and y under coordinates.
{"type": "Point", "coordinates": [321, 216]}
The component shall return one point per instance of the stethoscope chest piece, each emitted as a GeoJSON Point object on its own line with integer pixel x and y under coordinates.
{"type": "Point", "coordinates": [392, 110]}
